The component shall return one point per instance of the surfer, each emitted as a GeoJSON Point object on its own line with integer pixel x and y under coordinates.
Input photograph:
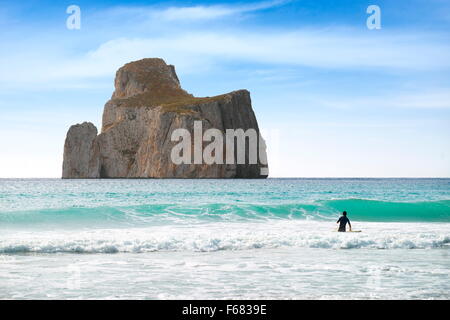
{"type": "Point", "coordinates": [343, 220]}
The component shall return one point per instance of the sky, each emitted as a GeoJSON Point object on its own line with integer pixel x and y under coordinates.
{"type": "Point", "coordinates": [333, 98]}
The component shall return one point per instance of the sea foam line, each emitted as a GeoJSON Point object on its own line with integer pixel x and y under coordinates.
{"type": "Point", "coordinates": [229, 236]}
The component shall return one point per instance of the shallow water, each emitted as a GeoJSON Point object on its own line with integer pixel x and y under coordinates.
{"type": "Point", "coordinates": [287, 273]}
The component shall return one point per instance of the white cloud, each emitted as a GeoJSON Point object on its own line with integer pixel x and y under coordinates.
{"type": "Point", "coordinates": [193, 13]}
{"type": "Point", "coordinates": [427, 99]}
{"type": "Point", "coordinates": [435, 99]}
{"type": "Point", "coordinates": [192, 51]}
{"type": "Point", "coordinates": [212, 12]}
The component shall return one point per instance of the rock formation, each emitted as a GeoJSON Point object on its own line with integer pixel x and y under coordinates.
{"type": "Point", "coordinates": [148, 104]}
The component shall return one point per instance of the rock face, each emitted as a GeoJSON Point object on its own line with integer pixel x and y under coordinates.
{"type": "Point", "coordinates": [147, 106]}
{"type": "Point", "coordinates": [79, 150]}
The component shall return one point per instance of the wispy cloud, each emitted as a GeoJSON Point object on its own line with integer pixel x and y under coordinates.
{"type": "Point", "coordinates": [425, 99]}
{"type": "Point", "coordinates": [194, 13]}
{"type": "Point", "coordinates": [437, 99]}
{"type": "Point", "coordinates": [191, 51]}
{"type": "Point", "coordinates": [213, 12]}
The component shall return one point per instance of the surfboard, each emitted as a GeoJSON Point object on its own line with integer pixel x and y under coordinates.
{"type": "Point", "coordinates": [349, 231]}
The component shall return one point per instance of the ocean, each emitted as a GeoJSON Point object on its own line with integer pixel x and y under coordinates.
{"type": "Point", "coordinates": [224, 239]}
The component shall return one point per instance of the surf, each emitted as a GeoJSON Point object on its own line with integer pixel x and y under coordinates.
{"type": "Point", "coordinates": [181, 213]}
{"type": "Point", "coordinates": [228, 236]}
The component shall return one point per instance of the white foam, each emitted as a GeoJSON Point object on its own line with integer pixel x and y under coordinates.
{"type": "Point", "coordinates": [230, 236]}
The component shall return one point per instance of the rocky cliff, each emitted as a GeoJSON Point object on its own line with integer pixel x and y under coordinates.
{"type": "Point", "coordinates": [147, 106]}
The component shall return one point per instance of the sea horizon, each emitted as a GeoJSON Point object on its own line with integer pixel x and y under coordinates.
{"type": "Point", "coordinates": [150, 178]}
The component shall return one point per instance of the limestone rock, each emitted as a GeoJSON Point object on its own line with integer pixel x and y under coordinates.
{"type": "Point", "coordinates": [81, 152]}
{"type": "Point", "coordinates": [148, 104]}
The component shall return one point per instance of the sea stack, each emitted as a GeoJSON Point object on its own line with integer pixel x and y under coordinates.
{"type": "Point", "coordinates": [147, 106]}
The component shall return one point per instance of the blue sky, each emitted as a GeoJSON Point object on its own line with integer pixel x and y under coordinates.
{"type": "Point", "coordinates": [334, 98]}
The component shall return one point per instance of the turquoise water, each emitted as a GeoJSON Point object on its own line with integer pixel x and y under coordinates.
{"type": "Point", "coordinates": [124, 201]}
{"type": "Point", "coordinates": [249, 231]}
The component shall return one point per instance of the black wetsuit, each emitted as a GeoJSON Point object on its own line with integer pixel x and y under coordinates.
{"type": "Point", "coordinates": [342, 223]}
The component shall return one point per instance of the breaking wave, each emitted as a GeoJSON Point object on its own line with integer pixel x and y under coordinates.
{"type": "Point", "coordinates": [230, 236]}
{"type": "Point", "coordinates": [359, 209]}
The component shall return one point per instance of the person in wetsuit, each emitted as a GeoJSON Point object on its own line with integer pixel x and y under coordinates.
{"type": "Point", "coordinates": [343, 220]}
